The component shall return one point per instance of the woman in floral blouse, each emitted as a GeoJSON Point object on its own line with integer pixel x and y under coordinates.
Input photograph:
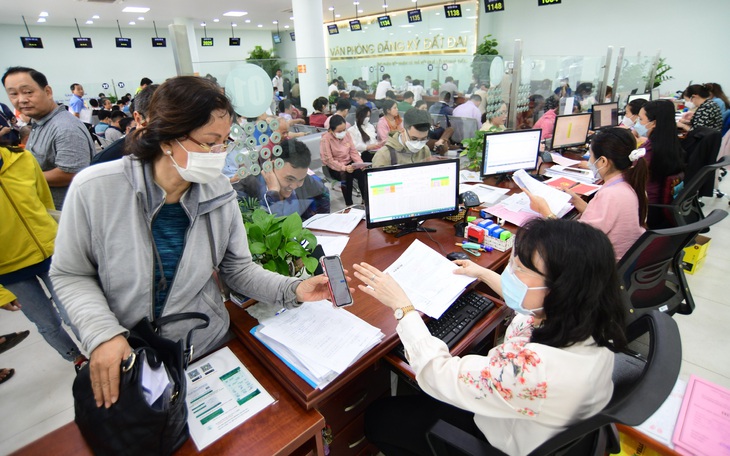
{"type": "Point", "coordinates": [554, 367]}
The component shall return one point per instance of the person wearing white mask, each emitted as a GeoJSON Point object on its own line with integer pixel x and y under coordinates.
{"type": "Point", "coordinates": [363, 134]}
{"type": "Point", "coordinates": [408, 145]}
{"type": "Point", "coordinates": [339, 156]}
{"type": "Point", "coordinates": [553, 368]}
{"type": "Point", "coordinates": [632, 116]}
{"type": "Point", "coordinates": [620, 207]}
{"type": "Point", "coordinates": [158, 232]}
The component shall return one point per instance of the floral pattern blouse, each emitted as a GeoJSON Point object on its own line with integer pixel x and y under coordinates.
{"type": "Point", "coordinates": [522, 393]}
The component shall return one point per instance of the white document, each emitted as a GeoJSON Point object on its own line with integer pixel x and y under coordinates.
{"type": "Point", "coordinates": [428, 279]}
{"type": "Point", "coordinates": [563, 161]}
{"type": "Point", "coordinates": [154, 380]}
{"type": "Point", "coordinates": [582, 175]}
{"type": "Point", "coordinates": [556, 199]}
{"type": "Point", "coordinates": [222, 394]}
{"type": "Point", "coordinates": [334, 338]}
{"type": "Point", "coordinates": [569, 105]}
{"type": "Point", "coordinates": [486, 193]}
{"type": "Point", "coordinates": [337, 222]}
{"type": "Point", "coordinates": [333, 245]}
{"type": "Point", "coordinates": [660, 426]}
{"type": "Point", "coordinates": [466, 176]}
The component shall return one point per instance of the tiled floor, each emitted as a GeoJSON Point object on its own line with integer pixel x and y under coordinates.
{"type": "Point", "coordinates": [38, 398]}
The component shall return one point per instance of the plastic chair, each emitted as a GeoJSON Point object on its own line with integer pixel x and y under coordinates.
{"type": "Point", "coordinates": [641, 385]}
{"type": "Point", "coordinates": [686, 207]}
{"type": "Point", "coordinates": [652, 272]}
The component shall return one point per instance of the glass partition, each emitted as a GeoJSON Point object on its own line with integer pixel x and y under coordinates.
{"type": "Point", "coordinates": [634, 75]}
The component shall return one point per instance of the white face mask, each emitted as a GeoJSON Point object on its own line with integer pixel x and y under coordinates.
{"type": "Point", "coordinates": [627, 122]}
{"type": "Point", "coordinates": [203, 167]}
{"type": "Point", "coordinates": [366, 121]}
{"type": "Point", "coordinates": [340, 135]}
{"type": "Point", "coordinates": [413, 146]}
{"type": "Point", "coordinates": [689, 105]}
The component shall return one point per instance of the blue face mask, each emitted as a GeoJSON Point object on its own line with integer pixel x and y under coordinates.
{"type": "Point", "coordinates": [514, 291]}
{"type": "Point", "coordinates": [640, 129]}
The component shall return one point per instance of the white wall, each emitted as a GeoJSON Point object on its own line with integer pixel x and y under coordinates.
{"type": "Point", "coordinates": [63, 64]}
{"type": "Point", "coordinates": [691, 36]}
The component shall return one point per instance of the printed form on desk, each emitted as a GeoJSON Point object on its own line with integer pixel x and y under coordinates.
{"type": "Point", "coordinates": [428, 279]}
{"type": "Point", "coordinates": [335, 222]}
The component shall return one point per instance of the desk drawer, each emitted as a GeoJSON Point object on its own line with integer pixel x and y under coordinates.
{"type": "Point", "coordinates": [351, 440]}
{"type": "Point", "coordinates": [352, 401]}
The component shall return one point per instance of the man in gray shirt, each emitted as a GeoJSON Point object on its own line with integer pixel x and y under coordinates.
{"type": "Point", "coordinates": [58, 140]}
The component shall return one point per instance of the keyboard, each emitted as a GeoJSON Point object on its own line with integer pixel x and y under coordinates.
{"type": "Point", "coordinates": [453, 325]}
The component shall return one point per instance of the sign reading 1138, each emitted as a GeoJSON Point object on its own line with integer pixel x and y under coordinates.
{"type": "Point", "coordinates": [491, 6]}
{"type": "Point", "coordinates": [452, 10]}
{"type": "Point", "coordinates": [548, 2]}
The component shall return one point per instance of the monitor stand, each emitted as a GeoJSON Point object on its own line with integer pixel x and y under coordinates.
{"type": "Point", "coordinates": [503, 177]}
{"type": "Point", "coordinates": [413, 227]}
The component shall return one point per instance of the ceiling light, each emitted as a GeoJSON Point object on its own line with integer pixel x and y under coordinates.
{"type": "Point", "coordinates": [234, 25]}
{"type": "Point", "coordinates": [135, 9]}
{"type": "Point", "coordinates": [291, 18]}
{"type": "Point", "coordinates": [89, 22]}
{"type": "Point", "coordinates": [359, 11]}
{"type": "Point", "coordinates": [248, 21]}
{"type": "Point", "coordinates": [260, 25]}
{"type": "Point", "coordinates": [43, 14]}
{"type": "Point", "coordinates": [216, 20]}
{"type": "Point", "coordinates": [202, 24]}
{"type": "Point", "coordinates": [275, 22]}
{"type": "Point", "coordinates": [355, 3]}
{"type": "Point", "coordinates": [41, 19]}
{"type": "Point", "coordinates": [337, 15]}
{"type": "Point", "coordinates": [132, 23]}
{"type": "Point", "coordinates": [286, 26]}
{"type": "Point", "coordinates": [331, 8]}
{"type": "Point", "coordinates": [235, 13]}
{"type": "Point", "coordinates": [95, 16]}
{"type": "Point", "coordinates": [141, 18]}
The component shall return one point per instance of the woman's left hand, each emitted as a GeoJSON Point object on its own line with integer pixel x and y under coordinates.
{"type": "Point", "coordinates": [382, 286]}
{"type": "Point", "coordinates": [316, 288]}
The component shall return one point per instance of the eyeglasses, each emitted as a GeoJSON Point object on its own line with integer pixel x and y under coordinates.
{"type": "Point", "coordinates": [214, 149]}
{"type": "Point", "coordinates": [520, 269]}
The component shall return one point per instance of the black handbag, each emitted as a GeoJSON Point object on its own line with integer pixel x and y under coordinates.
{"type": "Point", "coordinates": [131, 426]}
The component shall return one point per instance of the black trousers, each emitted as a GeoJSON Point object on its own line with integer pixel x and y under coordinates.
{"type": "Point", "coordinates": [397, 425]}
{"type": "Point", "coordinates": [348, 178]}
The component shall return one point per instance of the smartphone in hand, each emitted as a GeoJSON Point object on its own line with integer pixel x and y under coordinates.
{"type": "Point", "coordinates": [339, 290]}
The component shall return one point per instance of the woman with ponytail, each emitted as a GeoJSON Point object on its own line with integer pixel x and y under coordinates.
{"type": "Point", "coordinates": [619, 208]}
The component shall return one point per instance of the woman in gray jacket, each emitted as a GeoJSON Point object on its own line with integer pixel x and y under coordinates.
{"type": "Point", "coordinates": [142, 236]}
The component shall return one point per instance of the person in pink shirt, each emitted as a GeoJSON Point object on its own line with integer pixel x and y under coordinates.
{"type": "Point", "coordinates": [619, 208]}
{"type": "Point", "coordinates": [470, 108]}
{"type": "Point", "coordinates": [547, 122]}
{"type": "Point", "coordinates": [389, 122]}
{"type": "Point", "coordinates": [338, 153]}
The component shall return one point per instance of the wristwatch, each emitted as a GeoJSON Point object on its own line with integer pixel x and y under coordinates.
{"type": "Point", "coordinates": [400, 312]}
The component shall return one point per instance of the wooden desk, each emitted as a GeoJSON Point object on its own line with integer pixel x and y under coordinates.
{"type": "Point", "coordinates": [344, 400]}
{"type": "Point", "coordinates": [282, 428]}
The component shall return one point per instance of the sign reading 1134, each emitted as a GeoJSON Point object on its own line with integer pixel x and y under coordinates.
{"type": "Point", "coordinates": [452, 10]}
{"type": "Point", "coordinates": [548, 2]}
{"type": "Point", "coordinates": [491, 6]}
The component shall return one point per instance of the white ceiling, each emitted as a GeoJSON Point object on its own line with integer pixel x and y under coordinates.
{"type": "Point", "coordinates": [61, 13]}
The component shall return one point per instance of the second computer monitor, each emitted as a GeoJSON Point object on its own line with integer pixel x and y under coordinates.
{"type": "Point", "coordinates": [605, 115]}
{"type": "Point", "coordinates": [510, 151]}
{"type": "Point", "coordinates": [571, 130]}
{"type": "Point", "coordinates": [637, 96]}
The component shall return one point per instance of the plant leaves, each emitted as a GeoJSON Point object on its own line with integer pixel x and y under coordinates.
{"type": "Point", "coordinates": [255, 233]}
{"type": "Point", "coordinates": [310, 264]}
{"type": "Point", "coordinates": [295, 249]}
{"type": "Point", "coordinates": [292, 225]}
{"type": "Point", "coordinates": [273, 241]}
{"type": "Point", "coordinates": [262, 219]}
{"type": "Point", "coordinates": [270, 266]}
{"type": "Point", "coordinates": [257, 248]}
{"type": "Point", "coordinates": [282, 267]}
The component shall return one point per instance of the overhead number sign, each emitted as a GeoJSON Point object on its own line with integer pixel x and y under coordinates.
{"type": "Point", "coordinates": [205, 42]}
{"type": "Point", "coordinates": [332, 29]}
{"type": "Point", "coordinates": [492, 6]}
{"type": "Point", "coordinates": [414, 16]}
{"type": "Point", "coordinates": [82, 42]}
{"type": "Point", "coordinates": [159, 42]}
{"type": "Point", "coordinates": [32, 42]}
{"type": "Point", "coordinates": [234, 41]}
{"type": "Point", "coordinates": [548, 2]}
{"type": "Point", "coordinates": [384, 21]}
{"type": "Point", "coordinates": [452, 10]}
{"type": "Point", "coordinates": [355, 26]}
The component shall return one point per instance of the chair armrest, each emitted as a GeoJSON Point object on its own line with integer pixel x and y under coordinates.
{"type": "Point", "coordinates": [444, 437]}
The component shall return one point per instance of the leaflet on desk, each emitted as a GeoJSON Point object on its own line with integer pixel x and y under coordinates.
{"type": "Point", "coordinates": [582, 175]}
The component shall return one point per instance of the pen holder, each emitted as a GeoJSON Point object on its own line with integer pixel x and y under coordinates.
{"type": "Point", "coordinates": [499, 244]}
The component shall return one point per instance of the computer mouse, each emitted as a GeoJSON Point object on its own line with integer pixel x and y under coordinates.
{"type": "Point", "coordinates": [457, 256]}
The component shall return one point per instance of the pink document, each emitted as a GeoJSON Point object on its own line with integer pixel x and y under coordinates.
{"type": "Point", "coordinates": [703, 426]}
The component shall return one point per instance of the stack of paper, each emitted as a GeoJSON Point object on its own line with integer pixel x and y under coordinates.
{"type": "Point", "coordinates": [566, 183]}
{"type": "Point", "coordinates": [582, 175]}
{"type": "Point", "coordinates": [337, 222]}
{"type": "Point", "coordinates": [428, 279]}
{"type": "Point", "coordinates": [315, 340]}
{"type": "Point", "coordinates": [703, 425]}
{"type": "Point", "coordinates": [486, 193]}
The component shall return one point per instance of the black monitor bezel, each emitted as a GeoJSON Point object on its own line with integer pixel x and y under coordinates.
{"type": "Point", "coordinates": [492, 135]}
{"type": "Point", "coordinates": [555, 126]}
{"type": "Point", "coordinates": [406, 220]}
{"type": "Point", "coordinates": [593, 109]}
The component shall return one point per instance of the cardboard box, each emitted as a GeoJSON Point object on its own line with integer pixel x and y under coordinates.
{"type": "Point", "coordinates": [694, 255]}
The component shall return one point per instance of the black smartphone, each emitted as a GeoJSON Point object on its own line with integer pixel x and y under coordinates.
{"type": "Point", "coordinates": [339, 290]}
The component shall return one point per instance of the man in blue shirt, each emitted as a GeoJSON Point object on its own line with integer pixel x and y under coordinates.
{"type": "Point", "coordinates": [76, 102]}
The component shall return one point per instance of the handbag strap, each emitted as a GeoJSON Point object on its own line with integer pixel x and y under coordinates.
{"type": "Point", "coordinates": [189, 349]}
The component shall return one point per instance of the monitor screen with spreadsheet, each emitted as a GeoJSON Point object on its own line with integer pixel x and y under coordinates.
{"type": "Point", "coordinates": [510, 151]}
{"type": "Point", "coordinates": [412, 193]}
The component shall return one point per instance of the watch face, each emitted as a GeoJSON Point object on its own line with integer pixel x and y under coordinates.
{"type": "Point", "coordinates": [398, 313]}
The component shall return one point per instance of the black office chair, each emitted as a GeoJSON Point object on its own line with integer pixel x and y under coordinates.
{"type": "Point", "coordinates": [651, 270]}
{"type": "Point", "coordinates": [641, 385]}
{"type": "Point", "coordinates": [686, 206]}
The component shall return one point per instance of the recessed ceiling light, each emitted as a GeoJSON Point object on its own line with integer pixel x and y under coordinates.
{"type": "Point", "coordinates": [331, 8]}
{"type": "Point", "coordinates": [132, 23]}
{"type": "Point", "coordinates": [235, 13]}
{"type": "Point", "coordinates": [89, 22]}
{"type": "Point", "coordinates": [359, 11]}
{"type": "Point", "coordinates": [43, 14]}
{"type": "Point", "coordinates": [275, 22]}
{"type": "Point", "coordinates": [291, 18]}
{"type": "Point", "coordinates": [355, 3]}
{"type": "Point", "coordinates": [234, 25]}
{"type": "Point", "coordinates": [260, 25]}
{"type": "Point", "coordinates": [248, 21]}
{"type": "Point", "coordinates": [286, 26]}
{"type": "Point", "coordinates": [141, 18]}
{"type": "Point", "coordinates": [337, 15]}
{"type": "Point", "coordinates": [41, 19]}
{"type": "Point", "coordinates": [216, 20]}
{"type": "Point", "coordinates": [95, 16]}
{"type": "Point", "coordinates": [135, 9]}
{"type": "Point", "coordinates": [202, 24]}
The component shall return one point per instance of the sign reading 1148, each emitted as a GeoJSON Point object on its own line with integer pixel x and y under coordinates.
{"type": "Point", "coordinates": [491, 6]}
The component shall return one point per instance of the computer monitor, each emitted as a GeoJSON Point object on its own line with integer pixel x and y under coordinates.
{"type": "Point", "coordinates": [637, 96]}
{"type": "Point", "coordinates": [605, 115]}
{"type": "Point", "coordinates": [571, 130]}
{"type": "Point", "coordinates": [409, 194]}
{"type": "Point", "coordinates": [510, 151]}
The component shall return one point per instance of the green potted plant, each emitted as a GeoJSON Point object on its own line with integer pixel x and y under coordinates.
{"type": "Point", "coordinates": [473, 150]}
{"type": "Point", "coordinates": [276, 243]}
{"type": "Point", "coordinates": [486, 50]}
{"type": "Point", "coordinates": [265, 59]}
